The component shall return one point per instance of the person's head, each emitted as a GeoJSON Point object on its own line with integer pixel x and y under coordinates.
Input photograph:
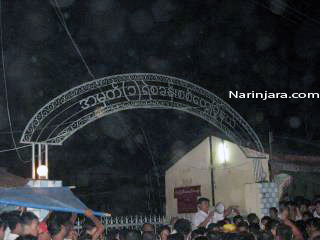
{"type": "Point", "coordinates": [292, 209]}
{"type": "Point", "coordinates": [148, 236]}
{"type": "Point", "coordinates": [236, 219]}
{"type": "Point", "coordinates": [14, 221]}
{"type": "Point", "coordinates": [220, 225]}
{"type": "Point", "coordinates": [62, 221]}
{"type": "Point", "coordinates": [213, 227]}
{"type": "Point", "coordinates": [292, 204]}
{"type": "Point", "coordinates": [114, 234]}
{"type": "Point", "coordinates": [306, 216]}
{"type": "Point", "coordinates": [303, 207]}
{"type": "Point", "coordinates": [243, 226]}
{"type": "Point", "coordinates": [254, 228]}
{"type": "Point", "coordinates": [307, 202]}
{"type": "Point", "coordinates": [284, 210]}
{"type": "Point", "coordinates": [253, 218]}
{"type": "Point", "coordinates": [89, 226]}
{"type": "Point", "coordinates": [317, 205]}
{"type": "Point", "coordinates": [283, 232]}
{"type": "Point", "coordinates": [176, 236]}
{"type": "Point", "coordinates": [197, 233]}
{"type": "Point", "coordinates": [273, 213]}
{"type": "Point", "coordinates": [203, 204]}
{"type": "Point", "coordinates": [30, 224]}
{"type": "Point", "coordinates": [273, 227]}
{"type": "Point", "coordinates": [183, 226]}
{"type": "Point", "coordinates": [264, 222]}
{"type": "Point", "coordinates": [314, 225]}
{"type": "Point", "coordinates": [26, 237]}
{"type": "Point", "coordinates": [227, 220]}
{"type": "Point", "coordinates": [133, 235]}
{"type": "Point", "coordinates": [59, 227]}
{"type": "Point", "coordinates": [263, 235]}
{"type": "Point", "coordinates": [147, 227]}
{"type": "Point", "coordinates": [214, 235]}
{"type": "Point", "coordinates": [164, 232]}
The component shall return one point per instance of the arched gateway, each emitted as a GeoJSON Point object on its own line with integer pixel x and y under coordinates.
{"type": "Point", "coordinates": [72, 110]}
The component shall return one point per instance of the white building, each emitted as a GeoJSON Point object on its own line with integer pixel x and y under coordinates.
{"type": "Point", "coordinates": [230, 179]}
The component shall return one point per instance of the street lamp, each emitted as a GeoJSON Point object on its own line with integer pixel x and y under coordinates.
{"type": "Point", "coordinates": [42, 171]}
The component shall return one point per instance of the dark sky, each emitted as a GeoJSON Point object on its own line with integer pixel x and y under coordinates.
{"type": "Point", "coordinates": [230, 45]}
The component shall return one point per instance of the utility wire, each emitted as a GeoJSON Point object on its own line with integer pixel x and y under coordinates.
{"type": "Point", "coordinates": [60, 16]}
{"type": "Point", "coordinates": [297, 12]}
{"type": "Point", "coordinates": [292, 12]}
{"type": "Point", "coordinates": [5, 87]}
{"type": "Point", "coordinates": [258, 3]}
{"type": "Point", "coordinates": [14, 149]}
{"type": "Point", "coordinates": [64, 24]}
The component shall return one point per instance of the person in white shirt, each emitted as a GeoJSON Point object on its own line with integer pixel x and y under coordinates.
{"type": "Point", "coordinates": [204, 217]}
{"type": "Point", "coordinates": [218, 213]}
{"type": "Point", "coordinates": [221, 213]}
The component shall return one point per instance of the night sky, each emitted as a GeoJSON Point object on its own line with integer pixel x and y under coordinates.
{"type": "Point", "coordinates": [230, 45]}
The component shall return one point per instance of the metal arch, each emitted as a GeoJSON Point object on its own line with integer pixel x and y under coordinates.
{"type": "Point", "coordinates": [77, 107]}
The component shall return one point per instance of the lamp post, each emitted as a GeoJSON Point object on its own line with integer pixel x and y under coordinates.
{"type": "Point", "coordinates": [212, 172]}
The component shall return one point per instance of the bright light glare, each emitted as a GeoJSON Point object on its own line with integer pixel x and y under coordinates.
{"type": "Point", "coordinates": [223, 153]}
{"type": "Point", "coordinates": [42, 171]}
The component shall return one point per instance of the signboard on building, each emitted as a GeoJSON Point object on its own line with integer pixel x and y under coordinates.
{"type": "Point", "coordinates": [187, 198]}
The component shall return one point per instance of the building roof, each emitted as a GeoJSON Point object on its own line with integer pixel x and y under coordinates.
{"type": "Point", "coordinates": [10, 180]}
{"type": "Point", "coordinates": [294, 163]}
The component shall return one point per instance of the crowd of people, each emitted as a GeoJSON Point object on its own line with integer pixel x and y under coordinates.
{"type": "Point", "coordinates": [297, 219]}
{"type": "Point", "coordinates": [25, 225]}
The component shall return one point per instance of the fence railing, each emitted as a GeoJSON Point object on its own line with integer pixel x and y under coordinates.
{"type": "Point", "coordinates": [132, 222]}
{"type": "Point", "coordinates": [128, 222]}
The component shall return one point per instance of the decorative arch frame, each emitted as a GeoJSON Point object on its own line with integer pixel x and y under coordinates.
{"type": "Point", "coordinates": [69, 112]}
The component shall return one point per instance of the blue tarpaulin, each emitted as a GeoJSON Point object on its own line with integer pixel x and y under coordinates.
{"type": "Point", "coordinates": [50, 198]}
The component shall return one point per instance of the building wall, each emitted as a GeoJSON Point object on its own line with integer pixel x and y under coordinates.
{"type": "Point", "coordinates": [231, 174]}
{"type": "Point", "coordinates": [259, 197]}
{"type": "Point", "coordinates": [191, 170]}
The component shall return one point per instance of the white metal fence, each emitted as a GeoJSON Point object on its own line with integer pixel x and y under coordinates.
{"type": "Point", "coordinates": [132, 222]}
{"type": "Point", "coordinates": [128, 222]}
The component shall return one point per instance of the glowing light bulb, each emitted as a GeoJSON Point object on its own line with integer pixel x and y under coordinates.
{"type": "Point", "coordinates": [42, 171]}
